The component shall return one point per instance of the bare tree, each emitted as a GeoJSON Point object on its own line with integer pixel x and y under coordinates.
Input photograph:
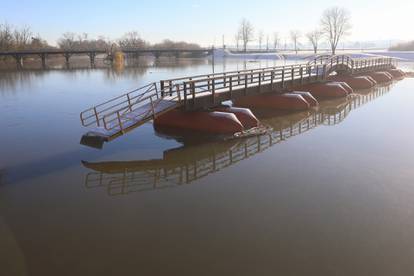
{"type": "Point", "coordinates": [67, 41]}
{"type": "Point", "coordinates": [260, 37]}
{"type": "Point", "coordinates": [335, 24]}
{"type": "Point", "coordinates": [246, 32]}
{"type": "Point", "coordinates": [22, 37]}
{"type": "Point", "coordinates": [314, 38]}
{"type": "Point", "coordinates": [6, 37]}
{"type": "Point", "coordinates": [276, 40]}
{"type": "Point", "coordinates": [38, 43]}
{"type": "Point", "coordinates": [295, 36]}
{"type": "Point", "coordinates": [132, 40]}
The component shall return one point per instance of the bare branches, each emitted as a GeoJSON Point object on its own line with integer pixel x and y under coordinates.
{"type": "Point", "coordinates": [335, 25]}
{"type": "Point", "coordinates": [72, 41]}
{"type": "Point", "coordinates": [169, 44]}
{"type": "Point", "coordinates": [6, 37]}
{"type": "Point", "coordinates": [14, 38]}
{"type": "Point", "coordinates": [314, 37]}
{"type": "Point", "coordinates": [132, 40]}
{"type": "Point", "coordinates": [246, 32]}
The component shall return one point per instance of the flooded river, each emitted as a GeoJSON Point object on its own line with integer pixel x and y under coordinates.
{"type": "Point", "coordinates": [325, 192]}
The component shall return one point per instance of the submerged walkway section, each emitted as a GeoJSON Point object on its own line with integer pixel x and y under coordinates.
{"type": "Point", "coordinates": [130, 110]}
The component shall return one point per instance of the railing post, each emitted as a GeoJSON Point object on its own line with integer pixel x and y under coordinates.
{"type": "Point", "coordinates": [96, 116]}
{"type": "Point", "coordinates": [152, 107]}
{"type": "Point", "coordinates": [317, 72]}
{"type": "Point", "coordinates": [162, 85]}
{"type": "Point", "coordinates": [213, 91]}
{"type": "Point", "coordinates": [301, 75]}
{"type": "Point", "coordinates": [193, 92]}
{"type": "Point", "coordinates": [177, 89]}
{"type": "Point", "coordinates": [120, 122]}
{"type": "Point", "coordinates": [260, 82]}
{"type": "Point", "coordinates": [129, 103]}
{"type": "Point", "coordinates": [272, 75]}
{"type": "Point", "coordinates": [224, 80]}
{"type": "Point", "coordinates": [231, 87]}
{"type": "Point", "coordinates": [292, 73]}
{"type": "Point", "coordinates": [185, 94]}
{"type": "Point", "coordinates": [245, 84]}
{"type": "Point", "coordinates": [170, 87]}
{"type": "Point", "coordinates": [283, 77]}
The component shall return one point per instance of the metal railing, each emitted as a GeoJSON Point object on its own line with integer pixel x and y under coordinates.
{"type": "Point", "coordinates": [139, 104]}
{"type": "Point", "coordinates": [254, 78]}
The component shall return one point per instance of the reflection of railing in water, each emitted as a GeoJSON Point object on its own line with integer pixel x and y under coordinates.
{"type": "Point", "coordinates": [136, 176]}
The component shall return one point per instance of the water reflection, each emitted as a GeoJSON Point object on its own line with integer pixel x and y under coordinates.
{"type": "Point", "coordinates": [14, 80]}
{"type": "Point", "coordinates": [184, 165]}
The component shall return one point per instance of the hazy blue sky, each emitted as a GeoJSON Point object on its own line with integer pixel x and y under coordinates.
{"type": "Point", "coordinates": [203, 21]}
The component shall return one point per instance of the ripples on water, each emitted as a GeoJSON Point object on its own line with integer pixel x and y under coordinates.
{"type": "Point", "coordinates": [325, 192]}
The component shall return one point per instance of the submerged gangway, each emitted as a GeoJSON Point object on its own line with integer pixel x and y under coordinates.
{"type": "Point", "coordinates": [176, 168]}
{"type": "Point", "coordinates": [130, 110]}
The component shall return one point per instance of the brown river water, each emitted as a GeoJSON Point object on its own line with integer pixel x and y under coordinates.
{"type": "Point", "coordinates": [324, 192]}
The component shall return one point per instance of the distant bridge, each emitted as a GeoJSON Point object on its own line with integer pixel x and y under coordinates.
{"type": "Point", "coordinates": [92, 53]}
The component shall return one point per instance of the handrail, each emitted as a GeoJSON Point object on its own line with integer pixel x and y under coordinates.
{"type": "Point", "coordinates": [172, 81]}
{"type": "Point", "coordinates": [95, 114]}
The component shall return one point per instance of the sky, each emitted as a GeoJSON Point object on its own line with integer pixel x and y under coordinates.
{"type": "Point", "coordinates": [204, 21]}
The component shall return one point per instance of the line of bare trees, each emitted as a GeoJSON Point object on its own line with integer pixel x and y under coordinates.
{"type": "Point", "coordinates": [130, 40]}
{"type": "Point", "coordinates": [334, 26]}
{"type": "Point", "coordinates": [13, 38]}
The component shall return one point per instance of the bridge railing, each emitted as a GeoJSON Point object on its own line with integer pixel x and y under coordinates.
{"type": "Point", "coordinates": [374, 63]}
{"type": "Point", "coordinates": [320, 59]}
{"type": "Point", "coordinates": [169, 84]}
{"type": "Point", "coordinates": [229, 82]}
